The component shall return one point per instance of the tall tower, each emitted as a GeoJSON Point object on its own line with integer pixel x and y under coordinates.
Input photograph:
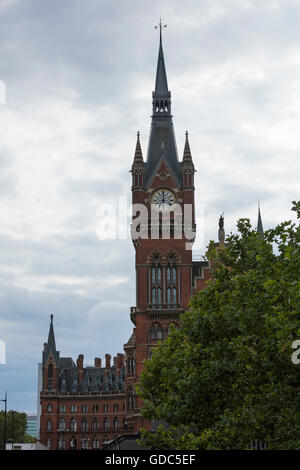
{"type": "Point", "coordinates": [163, 193]}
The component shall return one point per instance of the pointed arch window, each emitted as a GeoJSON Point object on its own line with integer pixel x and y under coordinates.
{"type": "Point", "coordinates": [62, 424]}
{"type": "Point", "coordinates": [159, 295]}
{"type": "Point", "coordinates": [155, 280]}
{"type": "Point", "coordinates": [153, 333]}
{"type": "Point", "coordinates": [73, 424]}
{"type": "Point", "coordinates": [159, 333]}
{"type": "Point", "coordinates": [50, 371]}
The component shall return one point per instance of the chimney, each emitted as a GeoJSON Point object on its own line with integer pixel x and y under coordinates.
{"type": "Point", "coordinates": [115, 361]}
{"type": "Point", "coordinates": [97, 362]}
{"type": "Point", "coordinates": [79, 364]}
{"type": "Point", "coordinates": [107, 361]}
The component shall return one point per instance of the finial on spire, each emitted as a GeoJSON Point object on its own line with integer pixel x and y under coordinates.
{"type": "Point", "coordinates": [51, 318]}
{"type": "Point", "coordinates": [160, 26]}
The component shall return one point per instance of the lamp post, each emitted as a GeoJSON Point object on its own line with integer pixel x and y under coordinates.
{"type": "Point", "coordinates": [5, 413]}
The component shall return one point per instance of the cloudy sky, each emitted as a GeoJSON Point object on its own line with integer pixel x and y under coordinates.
{"type": "Point", "coordinates": [79, 76]}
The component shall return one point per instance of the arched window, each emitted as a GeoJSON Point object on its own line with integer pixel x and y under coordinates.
{"type": "Point", "coordinates": [84, 443]}
{"type": "Point", "coordinates": [169, 295]}
{"type": "Point", "coordinates": [49, 425]}
{"type": "Point", "coordinates": [159, 295]}
{"type": "Point", "coordinates": [73, 443]}
{"type": "Point", "coordinates": [95, 443]}
{"type": "Point", "coordinates": [61, 443]}
{"type": "Point", "coordinates": [153, 275]}
{"type": "Point", "coordinates": [116, 424]}
{"type": "Point", "coordinates": [49, 408]}
{"type": "Point", "coordinates": [106, 424]}
{"type": "Point", "coordinates": [168, 275]}
{"type": "Point", "coordinates": [153, 332]}
{"type": "Point", "coordinates": [73, 424]}
{"type": "Point", "coordinates": [95, 425]}
{"type": "Point", "coordinates": [62, 424]}
{"type": "Point", "coordinates": [174, 275]}
{"type": "Point", "coordinates": [84, 425]}
{"type": "Point", "coordinates": [159, 333]}
{"type": "Point", "coordinates": [158, 274]}
{"type": "Point", "coordinates": [153, 295]}
{"type": "Point", "coordinates": [174, 295]}
{"type": "Point", "coordinates": [50, 371]}
{"type": "Point", "coordinates": [49, 443]}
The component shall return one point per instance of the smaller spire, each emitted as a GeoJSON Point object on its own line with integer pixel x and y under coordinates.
{"type": "Point", "coordinates": [221, 234]}
{"type": "Point", "coordinates": [187, 151]}
{"type": "Point", "coordinates": [259, 228]}
{"type": "Point", "coordinates": [138, 155]}
{"type": "Point", "coordinates": [51, 346]}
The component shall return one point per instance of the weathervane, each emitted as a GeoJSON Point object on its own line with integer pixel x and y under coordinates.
{"type": "Point", "coordinates": [160, 26]}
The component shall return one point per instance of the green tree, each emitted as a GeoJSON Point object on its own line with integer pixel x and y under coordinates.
{"type": "Point", "coordinates": [15, 427]}
{"type": "Point", "coordinates": [226, 376]}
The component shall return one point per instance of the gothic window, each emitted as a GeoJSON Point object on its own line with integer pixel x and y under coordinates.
{"type": "Point", "coordinates": [172, 281]}
{"type": "Point", "coordinates": [84, 443]}
{"type": "Point", "coordinates": [165, 334]}
{"type": "Point", "coordinates": [153, 295]}
{"type": "Point", "coordinates": [62, 424]}
{"type": "Point", "coordinates": [73, 424]}
{"type": "Point", "coordinates": [168, 275]}
{"type": "Point", "coordinates": [73, 408]}
{"type": "Point", "coordinates": [95, 443]}
{"type": "Point", "coordinates": [116, 407]}
{"type": "Point", "coordinates": [105, 407]}
{"type": "Point", "coordinates": [95, 425]}
{"type": "Point", "coordinates": [116, 423]}
{"type": "Point", "coordinates": [159, 333]}
{"type": "Point", "coordinates": [50, 371]}
{"type": "Point", "coordinates": [153, 333]}
{"type": "Point", "coordinates": [84, 425]}
{"type": "Point", "coordinates": [49, 408]}
{"type": "Point", "coordinates": [49, 443]}
{"type": "Point", "coordinates": [85, 408]}
{"type": "Point", "coordinates": [49, 425]}
{"type": "Point", "coordinates": [169, 295]}
{"type": "Point", "coordinates": [62, 408]}
{"type": "Point", "coordinates": [159, 295]}
{"type": "Point", "coordinates": [158, 275]}
{"type": "Point", "coordinates": [95, 408]}
{"type": "Point", "coordinates": [155, 287]}
{"type": "Point", "coordinates": [73, 443]}
{"type": "Point", "coordinates": [106, 424]}
{"type": "Point", "coordinates": [61, 443]}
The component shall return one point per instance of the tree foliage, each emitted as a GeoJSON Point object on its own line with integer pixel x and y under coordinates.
{"type": "Point", "coordinates": [226, 376]}
{"type": "Point", "coordinates": [15, 427]}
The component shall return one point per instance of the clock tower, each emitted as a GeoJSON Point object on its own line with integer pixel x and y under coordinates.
{"type": "Point", "coordinates": [163, 230]}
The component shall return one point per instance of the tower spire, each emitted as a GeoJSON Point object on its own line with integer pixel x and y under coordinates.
{"type": "Point", "coordinates": [259, 228]}
{"type": "Point", "coordinates": [187, 156]}
{"type": "Point", "coordinates": [51, 346]}
{"type": "Point", "coordinates": [162, 142]}
{"type": "Point", "coordinates": [161, 82]}
{"type": "Point", "coordinates": [138, 155]}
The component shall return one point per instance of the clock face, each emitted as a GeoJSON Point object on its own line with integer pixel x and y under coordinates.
{"type": "Point", "coordinates": [163, 199]}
